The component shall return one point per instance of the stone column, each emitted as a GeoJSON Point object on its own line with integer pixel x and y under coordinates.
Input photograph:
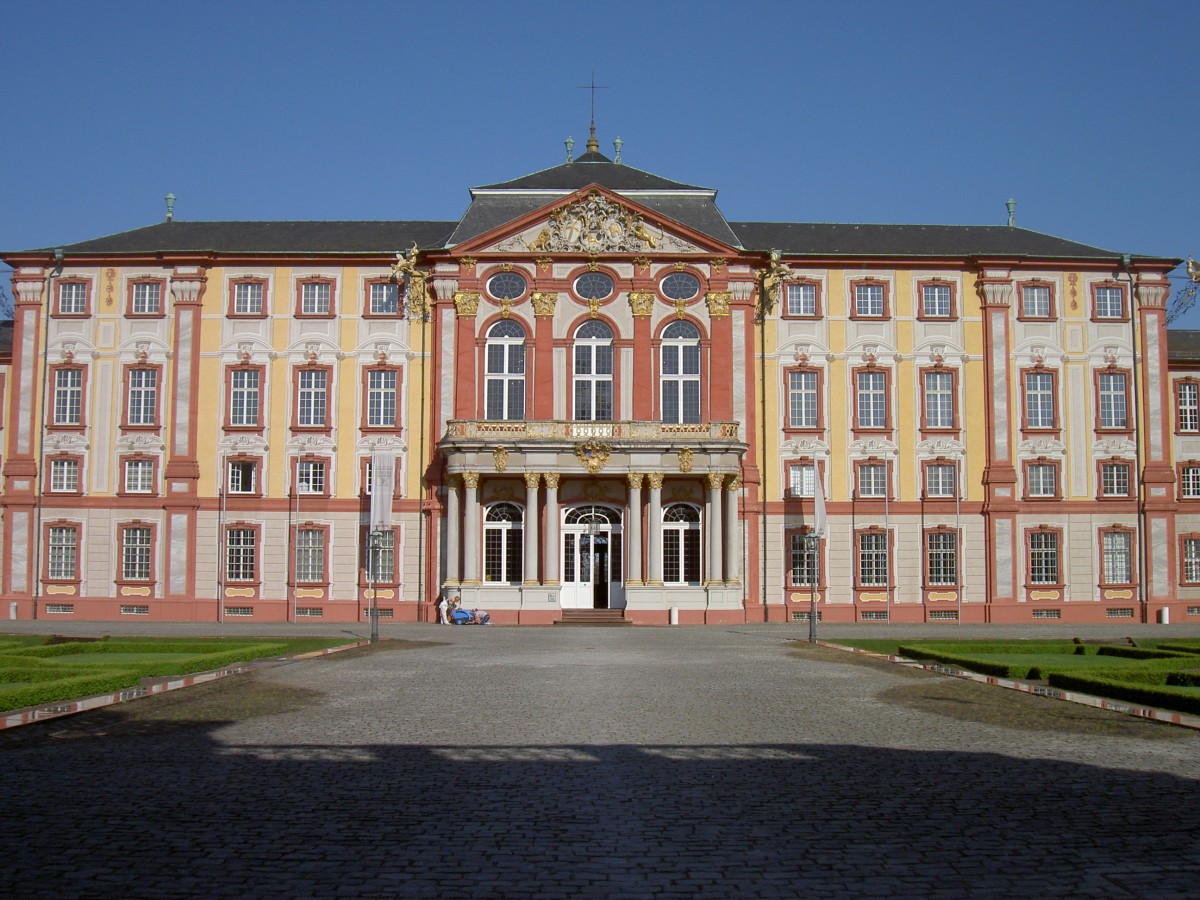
{"type": "Point", "coordinates": [551, 549]}
{"type": "Point", "coordinates": [471, 573]}
{"type": "Point", "coordinates": [654, 550]}
{"type": "Point", "coordinates": [716, 544]}
{"type": "Point", "coordinates": [733, 544]}
{"type": "Point", "coordinates": [533, 481]}
{"type": "Point", "coordinates": [453, 529]}
{"type": "Point", "coordinates": [633, 543]}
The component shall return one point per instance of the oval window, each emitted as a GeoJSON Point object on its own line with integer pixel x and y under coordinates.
{"type": "Point", "coordinates": [680, 286]}
{"type": "Point", "coordinates": [506, 286]}
{"type": "Point", "coordinates": [594, 286]}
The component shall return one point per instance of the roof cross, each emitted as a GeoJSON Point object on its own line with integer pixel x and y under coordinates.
{"type": "Point", "coordinates": [593, 145]}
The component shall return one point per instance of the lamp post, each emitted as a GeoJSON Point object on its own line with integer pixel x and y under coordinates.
{"type": "Point", "coordinates": [814, 547]}
{"type": "Point", "coordinates": [374, 542]}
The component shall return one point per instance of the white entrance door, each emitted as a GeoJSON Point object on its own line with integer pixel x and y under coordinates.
{"type": "Point", "coordinates": [592, 559]}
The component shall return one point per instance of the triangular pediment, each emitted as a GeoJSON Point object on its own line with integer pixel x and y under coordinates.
{"type": "Point", "coordinates": [594, 222]}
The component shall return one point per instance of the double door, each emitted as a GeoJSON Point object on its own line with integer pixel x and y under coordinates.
{"type": "Point", "coordinates": [592, 559]}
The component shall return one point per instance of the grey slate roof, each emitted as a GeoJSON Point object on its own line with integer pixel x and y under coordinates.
{"type": "Point", "coordinates": [591, 168]}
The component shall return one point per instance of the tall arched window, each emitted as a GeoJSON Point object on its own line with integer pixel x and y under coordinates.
{"type": "Point", "coordinates": [681, 373]}
{"type": "Point", "coordinates": [681, 544]}
{"type": "Point", "coordinates": [593, 372]}
{"type": "Point", "coordinates": [504, 388]}
{"type": "Point", "coordinates": [502, 528]}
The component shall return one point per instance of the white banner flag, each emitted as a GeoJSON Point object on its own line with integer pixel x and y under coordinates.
{"type": "Point", "coordinates": [819, 508]}
{"type": "Point", "coordinates": [383, 489]}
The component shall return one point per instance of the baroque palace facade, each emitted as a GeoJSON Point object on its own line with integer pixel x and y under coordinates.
{"type": "Point", "coordinates": [597, 392]}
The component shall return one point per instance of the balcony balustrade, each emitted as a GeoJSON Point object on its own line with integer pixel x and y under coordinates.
{"type": "Point", "coordinates": [560, 431]}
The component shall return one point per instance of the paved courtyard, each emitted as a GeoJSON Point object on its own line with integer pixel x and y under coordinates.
{"type": "Point", "coordinates": [714, 762]}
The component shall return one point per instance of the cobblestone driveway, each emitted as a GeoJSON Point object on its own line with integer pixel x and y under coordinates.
{"type": "Point", "coordinates": [487, 762]}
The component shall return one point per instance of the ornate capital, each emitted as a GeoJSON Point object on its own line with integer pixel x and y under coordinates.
{"type": "Point", "coordinates": [643, 262]}
{"type": "Point", "coordinates": [543, 263]}
{"type": "Point", "coordinates": [1151, 295]}
{"type": "Point", "coordinates": [467, 262]}
{"type": "Point", "coordinates": [734, 483]}
{"type": "Point", "coordinates": [641, 303]}
{"type": "Point", "coordinates": [544, 302]}
{"type": "Point", "coordinates": [716, 481]}
{"type": "Point", "coordinates": [466, 302]}
{"type": "Point", "coordinates": [718, 264]}
{"type": "Point", "coordinates": [453, 481]}
{"type": "Point", "coordinates": [552, 481]}
{"type": "Point", "coordinates": [532, 480]}
{"type": "Point", "coordinates": [187, 284]}
{"type": "Point", "coordinates": [635, 480]}
{"type": "Point", "coordinates": [995, 287]}
{"type": "Point", "coordinates": [28, 293]}
{"type": "Point", "coordinates": [655, 480]}
{"type": "Point", "coordinates": [718, 303]}
{"type": "Point", "coordinates": [470, 480]}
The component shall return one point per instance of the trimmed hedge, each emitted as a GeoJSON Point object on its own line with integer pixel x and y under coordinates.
{"type": "Point", "coordinates": [70, 648]}
{"type": "Point", "coordinates": [1180, 699]}
{"type": "Point", "coordinates": [65, 690]}
{"type": "Point", "coordinates": [1140, 653]}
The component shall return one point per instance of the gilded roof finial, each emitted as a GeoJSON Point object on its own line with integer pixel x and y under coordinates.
{"type": "Point", "coordinates": [593, 145]}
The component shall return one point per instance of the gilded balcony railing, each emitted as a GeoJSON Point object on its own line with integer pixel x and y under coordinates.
{"type": "Point", "coordinates": [551, 431]}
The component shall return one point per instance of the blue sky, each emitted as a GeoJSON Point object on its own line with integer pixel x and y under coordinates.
{"type": "Point", "coordinates": [927, 112]}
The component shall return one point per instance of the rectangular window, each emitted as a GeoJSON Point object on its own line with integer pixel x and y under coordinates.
{"type": "Point", "coordinates": [1187, 404]}
{"type": "Point", "coordinates": [139, 476]}
{"type": "Point", "coordinates": [1035, 301]}
{"type": "Point", "coordinates": [940, 480]}
{"type": "Point", "coordinates": [72, 298]}
{"type": "Point", "coordinates": [1191, 560]}
{"type": "Point", "coordinates": [942, 558]}
{"type": "Point", "coordinates": [243, 476]}
{"type": "Point", "coordinates": [63, 557]}
{"type": "Point", "coordinates": [936, 301]}
{"type": "Point", "coordinates": [802, 400]}
{"type": "Point", "coordinates": [1189, 482]}
{"type": "Point", "coordinates": [241, 554]}
{"type": "Point", "coordinates": [802, 480]}
{"type": "Point", "coordinates": [135, 553]}
{"type": "Point", "coordinates": [64, 476]}
{"type": "Point", "coordinates": [381, 398]}
{"type": "Point", "coordinates": [381, 562]}
{"type": "Point", "coordinates": [939, 400]}
{"type": "Point", "coordinates": [1110, 303]}
{"type": "Point", "coordinates": [311, 398]}
{"type": "Point", "coordinates": [872, 480]}
{"type": "Point", "coordinates": [1112, 401]}
{"type": "Point", "coordinates": [1118, 558]}
{"type": "Point", "coordinates": [869, 300]}
{"type": "Point", "coordinates": [385, 298]}
{"type": "Point", "coordinates": [871, 399]}
{"type": "Point", "coordinates": [804, 561]}
{"type": "Point", "coordinates": [872, 559]}
{"type": "Point", "coordinates": [1114, 480]}
{"type": "Point", "coordinates": [142, 401]}
{"type": "Point", "coordinates": [1043, 557]}
{"type": "Point", "coordinates": [68, 397]}
{"type": "Point", "coordinates": [310, 476]}
{"type": "Point", "coordinates": [801, 299]}
{"type": "Point", "coordinates": [315, 298]}
{"type": "Point", "coordinates": [248, 298]}
{"type": "Point", "coordinates": [310, 556]}
{"type": "Point", "coordinates": [1039, 400]}
{"type": "Point", "coordinates": [244, 396]}
{"type": "Point", "coordinates": [147, 298]}
{"type": "Point", "coordinates": [1041, 480]}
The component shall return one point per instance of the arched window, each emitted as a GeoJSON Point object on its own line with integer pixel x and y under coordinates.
{"type": "Point", "coordinates": [504, 387]}
{"type": "Point", "coordinates": [502, 545]}
{"type": "Point", "coordinates": [681, 373]}
{"type": "Point", "coordinates": [593, 372]}
{"type": "Point", "coordinates": [681, 544]}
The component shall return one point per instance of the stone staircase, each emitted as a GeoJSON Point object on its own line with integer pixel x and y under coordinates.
{"type": "Point", "coordinates": [594, 617]}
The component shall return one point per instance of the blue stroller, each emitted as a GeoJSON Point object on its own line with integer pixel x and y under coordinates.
{"type": "Point", "coordinates": [469, 617]}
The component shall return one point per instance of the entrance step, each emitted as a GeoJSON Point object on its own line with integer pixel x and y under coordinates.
{"type": "Point", "coordinates": [593, 617]}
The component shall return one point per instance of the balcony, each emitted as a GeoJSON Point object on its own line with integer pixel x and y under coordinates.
{"type": "Point", "coordinates": [560, 431]}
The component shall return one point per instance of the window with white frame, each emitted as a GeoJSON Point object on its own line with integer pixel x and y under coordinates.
{"type": "Point", "coordinates": [1039, 400]}
{"type": "Point", "coordinates": [1035, 301]}
{"type": "Point", "coordinates": [243, 476]}
{"type": "Point", "coordinates": [310, 476]}
{"type": "Point", "coordinates": [872, 480]}
{"type": "Point", "coordinates": [315, 298]}
{"type": "Point", "coordinates": [135, 553]}
{"type": "Point", "coordinates": [310, 555]}
{"type": "Point", "coordinates": [1114, 479]}
{"type": "Point", "coordinates": [680, 353]}
{"type": "Point", "coordinates": [72, 298]}
{"type": "Point", "coordinates": [801, 299]}
{"type": "Point", "coordinates": [1043, 557]}
{"type": "Point", "coordinates": [1041, 480]}
{"type": "Point", "coordinates": [64, 476]}
{"type": "Point", "coordinates": [593, 372]}
{"type": "Point", "coordinates": [241, 554]}
{"type": "Point", "coordinates": [504, 376]}
{"type": "Point", "coordinates": [868, 300]}
{"type": "Point", "coordinates": [804, 559]}
{"type": "Point", "coordinates": [381, 398]}
{"type": "Point", "coordinates": [147, 298]}
{"type": "Point", "coordinates": [941, 558]}
{"type": "Point", "coordinates": [68, 396]}
{"type": "Point", "coordinates": [1110, 303]}
{"type": "Point", "coordinates": [936, 301]}
{"type": "Point", "coordinates": [381, 557]}
{"type": "Point", "coordinates": [1116, 549]}
{"type": "Point", "coordinates": [941, 480]}
{"type": "Point", "coordinates": [312, 398]}
{"type": "Point", "coordinates": [802, 480]}
{"type": "Point", "coordinates": [1187, 400]}
{"type": "Point", "coordinates": [871, 397]}
{"type": "Point", "coordinates": [1189, 482]}
{"type": "Point", "coordinates": [384, 298]}
{"type": "Point", "coordinates": [1113, 411]}
{"type": "Point", "coordinates": [62, 563]}
{"type": "Point", "coordinates": [503, 544]}
{"type": "Point", "coordinates": [1191, 560]}
{"type": "Point", "coordinates": [139, 476]}
{"type": "Point", "coordinates": [939, 400]}
{"type": "Point", "coordinates": [245, 387]}
{"type": "Point", "coordinates": [872, 559]}
{"type": "Point", "coordinates": [142, 400]}
{"type": "Point", "coordinates": [681, 544]}
{"type": "Point", "coordinates": [803, 399]}
{"type": "Point", "coordinates": [248, 298]}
